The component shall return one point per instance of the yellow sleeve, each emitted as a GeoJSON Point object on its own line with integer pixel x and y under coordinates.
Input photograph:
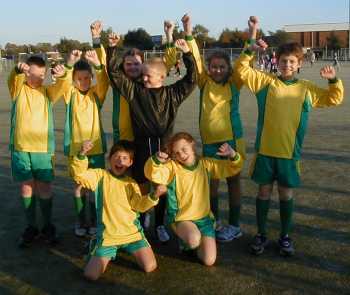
{"type": "Point", "coordinates": [137, 201]}
{"type": "Point", "coordinates": [159, 173]}
{"type": "Point", "coordinates": [88, 178]}
{"type": "Point", "coordinates": [62, 85]}
{"type": "Point", "coordinates": [15, 83]}
{"type": "Point", "coordinates": [102, 83]}
{"type": "Point", "coordinates": [223, 168]}
{"type": "Point", "coordinates": [202, 74]}
{"type": "Point", "coordinates": [321, 97]}
{"type": "Point", "coordinates": [101, 54]}
{"type": "Point", "coordinates": [255, 80]}
{"type": "Point", "coordinates": [170, 56]}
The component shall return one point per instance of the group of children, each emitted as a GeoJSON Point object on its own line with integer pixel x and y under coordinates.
{"type": "Point", "coordinates": [144, 112]}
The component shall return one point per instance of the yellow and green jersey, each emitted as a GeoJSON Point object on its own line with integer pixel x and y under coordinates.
{"type": "Point", "coordinates": [118, 201]}
{"type": "Point", "coordinates": [188, 187]}
{"type": "Point", "coordinates": [83, 118]}
{"type": "Point", "coordinates": [121, 119]}
{"type": "Point", "coordinates": [219, 117]}
{"type": "Point", "coordinates": [283, 108]}
{"type": "Point", "coordinates": [32, 124]}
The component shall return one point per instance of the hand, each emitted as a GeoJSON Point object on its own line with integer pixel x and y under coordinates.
{"type": "Point", "coordinates": [91, 56]}
{"type": "Point", "coordinates": [58, 71]}
{"type": "Point", "coordinates": [182, 45]}
{"type": "Point", "coordinates": [96, 29]}
{"type": "Point", "coordinates": [328, 72]}
{"type": "Point", "coordinates": [113, 39]}
{"type": "Point", "coordinates": [86, 147]}
{"type": "Point", "coordinates": [160, 190]}
{"type": "Point", "coordinates": [162, 157]}
{"type": "Point", "coordinates": [74, 56]}
{"type": "Point", "coordinates": [169, 27]}
{"type": "Point", "coordinates": [260, 45]}
{"type": "Point", "coordinates": [186, 22]}
{"type": "Point", "coordinates": [23, 68]}
{"type": "Point", "coordinates": [253, 25]}
{"type": "Point", "coordinates": [226, 150]}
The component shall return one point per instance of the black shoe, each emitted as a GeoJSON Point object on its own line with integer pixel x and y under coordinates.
{"type": "Point", "coordinates": [286, 246]}
{"type": "Point", "coordinates": [259, 244]}
{"type": "Point", "coordinates": [49, 235]}
{"type": "Point", "coordinates": [28, 236]}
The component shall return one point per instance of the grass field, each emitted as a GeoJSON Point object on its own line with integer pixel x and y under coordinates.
{"type": "Point", "coordinates": [321, 222]}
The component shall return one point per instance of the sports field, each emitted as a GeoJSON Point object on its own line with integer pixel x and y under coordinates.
{"type": "Point", "coordinates": [321, 222]}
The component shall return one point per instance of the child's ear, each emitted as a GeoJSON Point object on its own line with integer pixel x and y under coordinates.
{"type": "Point", "coordinates": [131, 162]}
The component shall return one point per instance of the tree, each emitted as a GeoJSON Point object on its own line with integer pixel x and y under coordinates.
{"type": "Point", "coordinates": [232, 38]}
{"type": "Point", "coordinates": [201, 34]}
{"type": "Point", "coordinates": [138, 38]}
{"type": "Point", "coordinates": [67, 45]}
{"type": "Point", "coordinates": [278, 38]}
{"type": "Point", "coordinates": [333, 41]}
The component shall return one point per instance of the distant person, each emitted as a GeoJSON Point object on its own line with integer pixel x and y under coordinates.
{"type": "Point", "coordinates": [312, 58]}
{"type": "Point", "coordinates": [336, 61]}
{"type": "Point", "coordinates": [273, 63]}
{"type": "Point", "coordinates": [284, 104]}
{"type": "Point", "coordinates": [32, 141]}
{"type": "Point", "coordinates": [177, 68]}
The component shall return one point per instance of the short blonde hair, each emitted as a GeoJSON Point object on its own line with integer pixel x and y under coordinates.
{"type": "Point", "coordinates": [156, 63]}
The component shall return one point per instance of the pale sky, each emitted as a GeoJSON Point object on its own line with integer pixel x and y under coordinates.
{"type": "Point", "coordinates": [25, 22]}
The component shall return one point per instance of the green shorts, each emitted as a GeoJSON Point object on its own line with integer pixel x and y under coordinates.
{"type": "Point", "coordinates": [26, 166]}
{"type": "Point", "coordinates": [266, 170]}
{"type": "Point", "coordinates": [210, 150]}
{"type": "Point", "coordinates": [111, 251]}
{"type": "Point", "coordinates": [97, 161]}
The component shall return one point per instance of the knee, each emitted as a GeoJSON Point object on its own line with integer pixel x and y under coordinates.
{"type": "Point", "coordinates": [209, 260]}
{"type": "Point", "coordinates": [151, 266]}
{"type": "Point", "coordinates": [194, 241]}
{"type": "Point", "coordinates": [91, 276]}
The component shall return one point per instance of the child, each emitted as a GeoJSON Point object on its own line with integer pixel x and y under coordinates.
{"type": "Point", "coordinates": [132, 61]}
{"type": "Point", "coordinates": [83, 122]}
{"type": "Point", "coordinates": [32, 142]}
{"type": "Point", "coordinates": [153, 107]}
{"type": "Point", "coordinates": [219, 122]}
{"type": "Point", "coordinates": [118, 199]}
{"type": "Point", "coordinates": [187, 178]}
{"type": "Point", "coordinates": [284, 103]}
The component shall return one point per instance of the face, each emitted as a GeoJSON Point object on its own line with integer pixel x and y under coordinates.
{"type": "Point", "coordinates": [183, 152]}
{"type": "Point", "coordinates": [120, 162]}
{"type": "Point", "coordinates": [288, 65]}
{"type": "Point", "coordinates": [82, 80]}
{"type": "Point", "coordinates": [152, 78]}
{"type": "Point", "coordinates": [218, 69]}
{"type": "Point", "coordinates": [36, 76]}
{"type": "Point", "coordinates": [132, 66]}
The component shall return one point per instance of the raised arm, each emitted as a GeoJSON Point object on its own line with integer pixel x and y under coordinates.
{"type": "Point", "coordinates": [159, 170]}
{"type": "Point", "coordinates": [117, 78]}
{"type": "Point", "coordinates": [16, 79]}
{"type": "Point", "coordinates": [170, 49]}
{"type": "Point", "coordinates": [62, 85]}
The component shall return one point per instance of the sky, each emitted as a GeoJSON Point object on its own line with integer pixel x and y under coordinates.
{"type": "Point", "coordinates": [30, 22]}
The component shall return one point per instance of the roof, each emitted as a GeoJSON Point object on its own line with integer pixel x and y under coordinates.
{"type": "Point", "coordinates": [317, 27]}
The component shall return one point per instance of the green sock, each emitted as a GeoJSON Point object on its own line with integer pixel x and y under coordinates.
{"type": "Point", "coordinates": [92, 213]}
{"type": "Point", "coordinates": [286, 213]}
{"type": "Point", "coordinates": [29, 204]}
{"type": "Point", "coordinates": [80, 204]}
{"type": "Point", "coordinates": [234, 215]}
{"type": "Point", "coordinates": [262, 208]}
{"type": "Point", "coordinates": [46, 209]}
{"type": "Point", "coordinates": [214, 206]}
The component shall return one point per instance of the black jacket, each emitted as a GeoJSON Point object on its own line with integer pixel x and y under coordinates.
{"type": "Point", "coordinates": [152, 110]}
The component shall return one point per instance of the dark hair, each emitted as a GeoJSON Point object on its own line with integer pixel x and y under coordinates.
{"type": "Point", "coordinates": [36, 60]}
{"type": "Point", "coordinates": [122, 145]}
{"type": "Point", "coordinates": [82, 65]}
{"type": "Point", "coordinates": [133, 52]}
{"type": "Point", "coordinates": [220, 54]}
{"type": "Point", "coordinates": [291, 48]}
{"type": "Point", "coordinates": [178, 136]}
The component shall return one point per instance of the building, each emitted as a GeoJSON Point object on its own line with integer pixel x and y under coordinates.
{"type": "Point", "coordinates": [315, 35]}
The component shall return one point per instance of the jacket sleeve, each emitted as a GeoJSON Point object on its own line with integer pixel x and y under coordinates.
{"type": "Point", "coordinates": [60, 87]}
{"type": "Point", "coordinates": [88, 178]}
{"type": "Point", "coordinates": [255, 80]}
{"type": "Point", "coordinates": [158, 172]}
{"type": "Point", "coordinates": [321, 97]}
{"type": "Point", "coordinates": [223, 168]}
{"type": "Point", "coordinates": [170, 56]}
{"type": "Point", "coordinates": [15, 82]}
{"type": "Point", "coordinates": [102, 83]}
{"type": "Point", "coordinates": [180, 90]}
{"type": "Point", "coordinates": [139, 202]}
{"type": "Point", "coordinates": [117, 78]}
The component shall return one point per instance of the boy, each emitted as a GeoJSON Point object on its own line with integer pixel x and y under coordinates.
{"type": "Point", "coordinates": [118, 201]}
{"type": "Point", "coordinates": [32, 142]}
{"type": "Point", "coordinates": [153, 106]}
{"type": "Point", "coordinates": [219, 122]}
{"type": "Point", "coordinates": [83, 122]}
{"type": "Point", "coordinates": [284, 103]}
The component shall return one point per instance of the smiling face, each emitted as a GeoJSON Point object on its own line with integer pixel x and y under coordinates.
{"type": "Point", "coordinates": [36, 76]}
{"type": "Point", "coordinates": [184, 152]}
{"type": "Point", "coordinates": [119, 162]}
{"type": "Point", "coordinates": [288, 65]}
{"type": "Point", "coordinates": [218, 69]}
{"type": "Point", "coordinates": [82, 80]}
{"type": "Point", "coordinates": [132, 66]}
{"type": "Point", "coordinates": [152, 77]}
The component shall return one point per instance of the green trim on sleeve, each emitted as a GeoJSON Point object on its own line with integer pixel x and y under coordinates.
{"type": "Point", "coordinates": [333, 81]}
{"type": "Point", "coordinates": [236, 157]}
{"type": "Point", "coordinates": [98, 68]}
{"type": "Point", "coordinates": [68, 67]}
{"type": "Point", "coordinates": [81, 157]}
{"type": "Point", "coordinates": [189, 38]}
{"type": "Point", "coordinates": [155, 160]}
{"type": "Point", "coordinates": [153, 197]}
{"type": "Point", "coordinates": [170, 45]}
